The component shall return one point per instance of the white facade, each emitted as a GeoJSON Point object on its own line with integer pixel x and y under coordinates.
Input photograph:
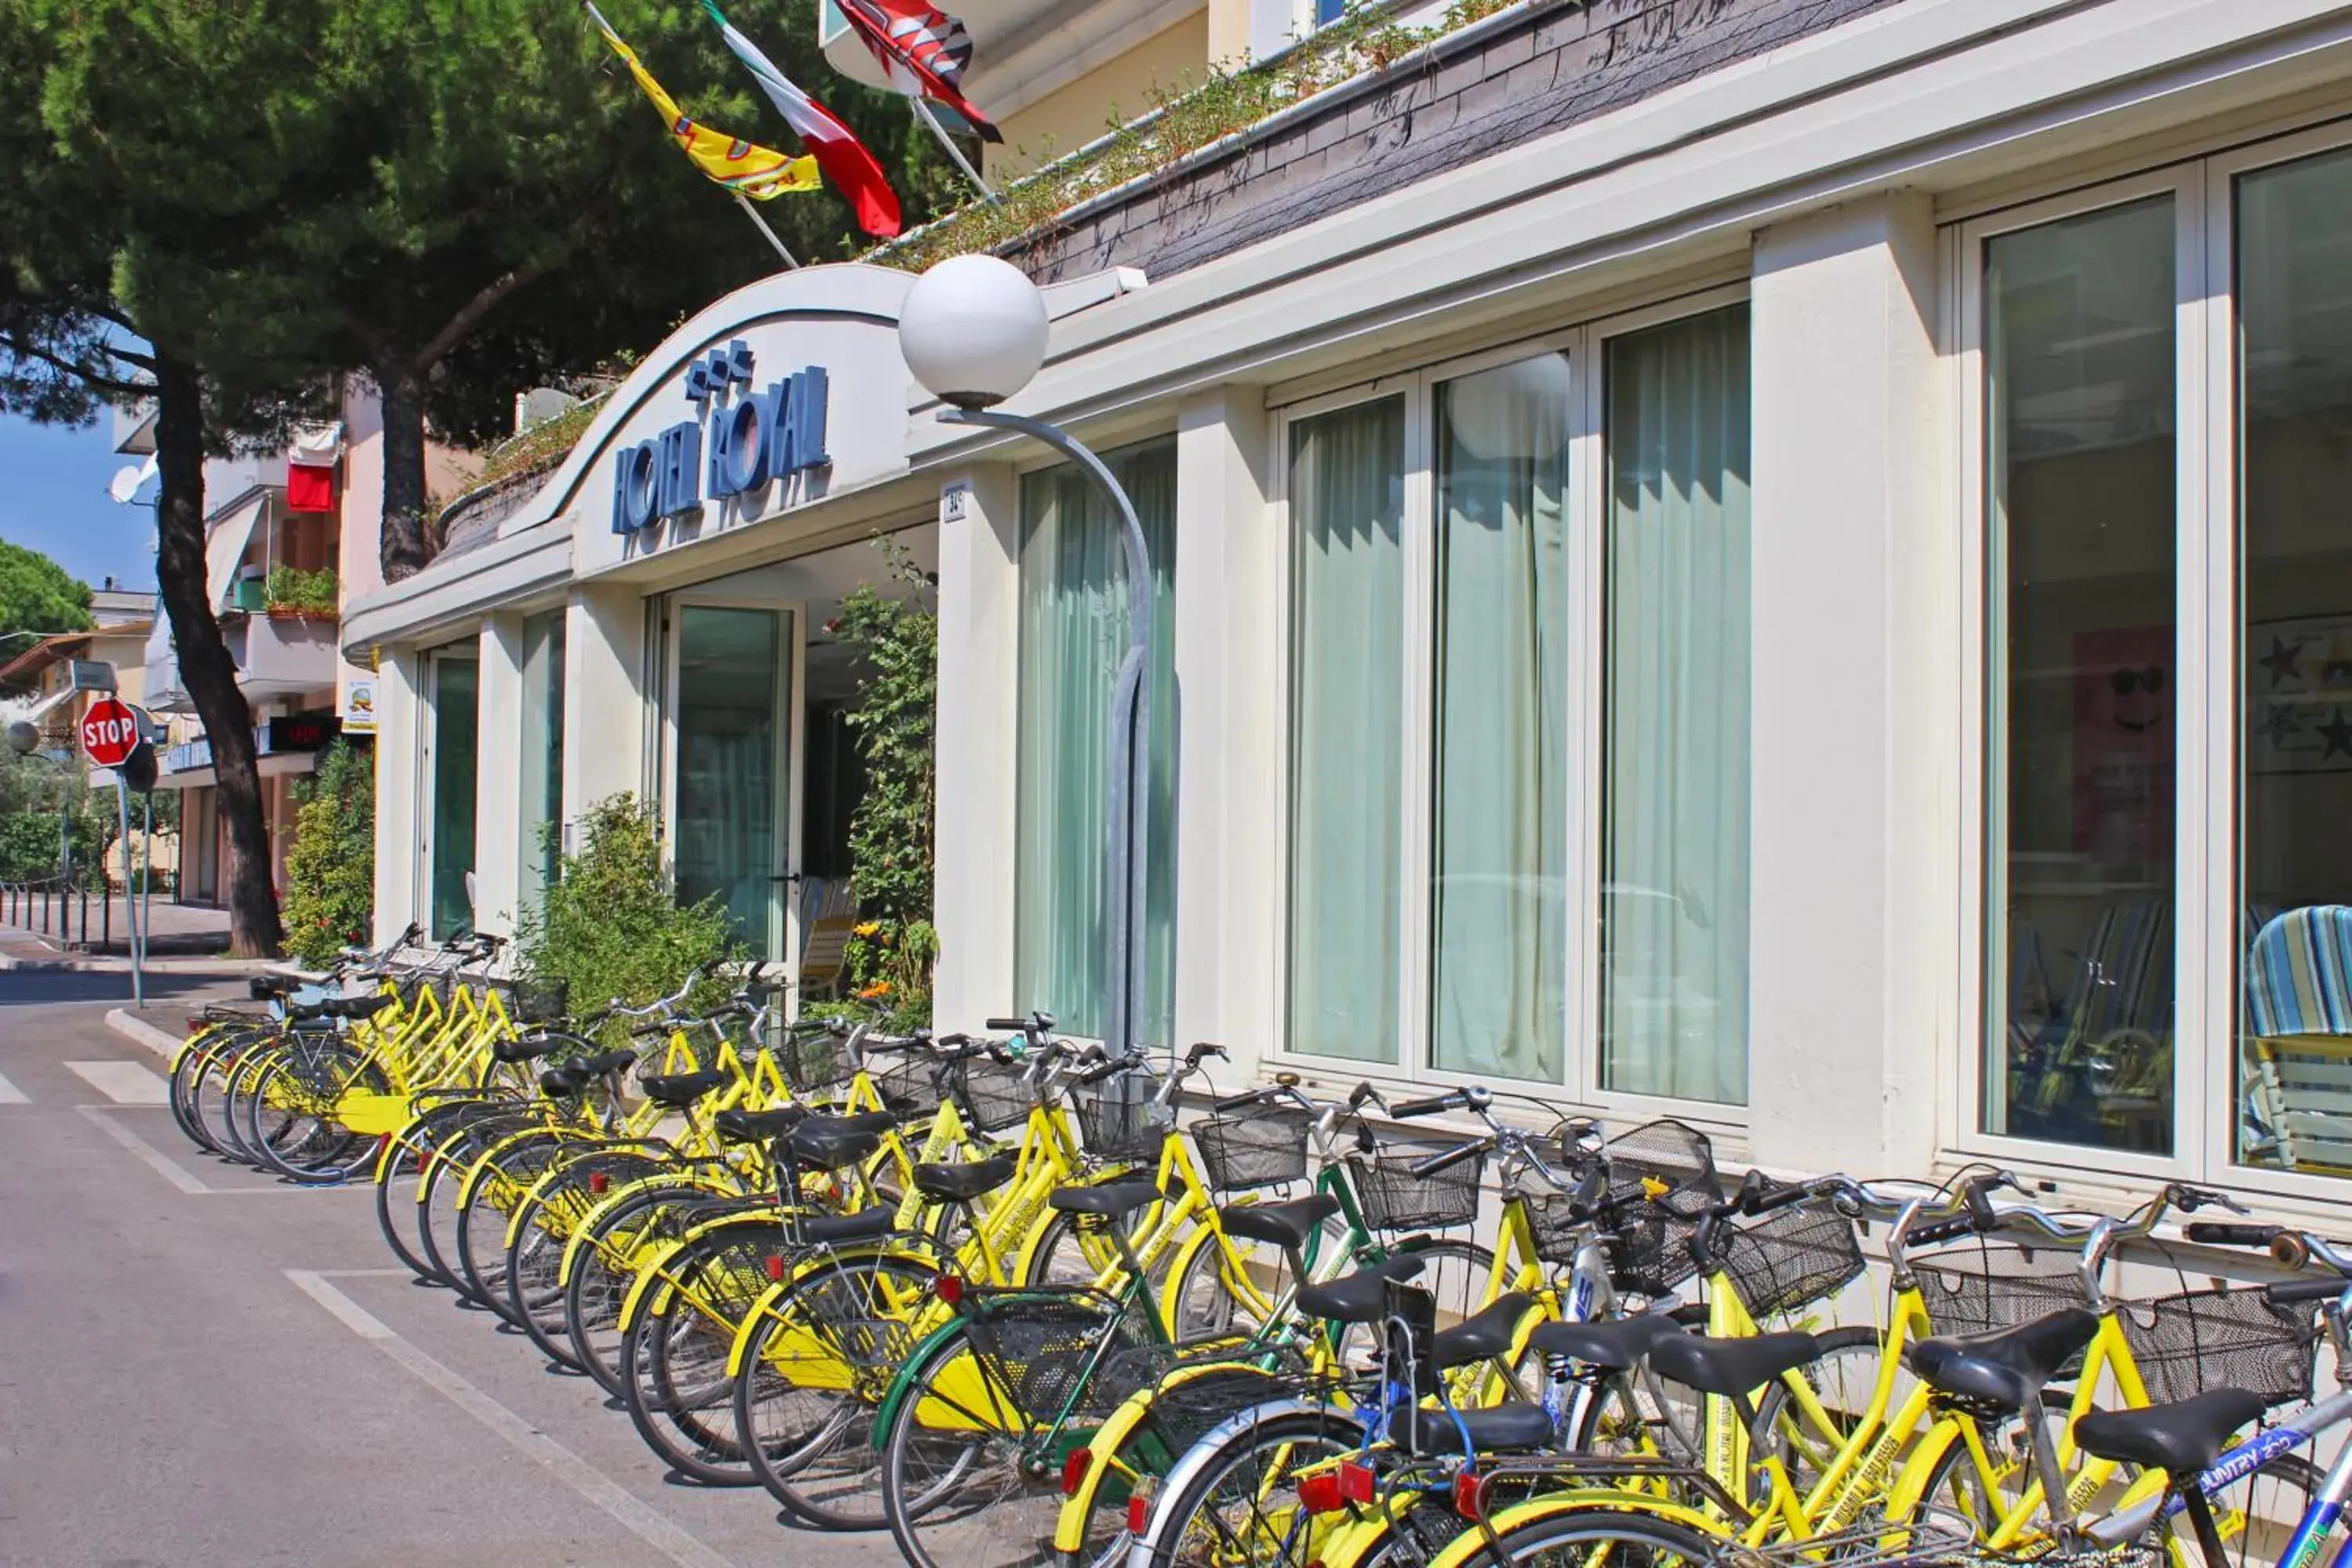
{"type": "Point", "coordinates": [1847, 198]}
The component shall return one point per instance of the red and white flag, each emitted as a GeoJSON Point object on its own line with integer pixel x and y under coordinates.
{"type": "Point", "coordinates": [844, 160]}
{"type": "Point", "coordinates": [924, 50]}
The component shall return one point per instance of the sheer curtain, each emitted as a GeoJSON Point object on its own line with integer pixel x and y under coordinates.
{"type": "Point", "coordinates": [727, 798]}
{"type": "Point", "coordinates": [1346, 607]}
{"type": "Point", "coordinates": [1073, 636]}
{"type": "Point", "coordinates": [1675, 832]}
{"type": "Point", "coordinates": [1500, 920]}
{"type": "Point", "coordinates": [542, 753]}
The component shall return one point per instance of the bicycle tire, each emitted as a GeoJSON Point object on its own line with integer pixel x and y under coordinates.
{"type": "Point", "coordinates": [313, 1148]}
{"type": "Point", "coordinates": [593, 1295]}
{"type": "Point", "coordinates": [1623, 1539]}
{"type": "Point", "coordinates": [673, 1358]}
{"type": "Point", "coordinates": [810, 1439]}
{"type": "Point", "coordinates": [504, 1177]}
{"type": "Point", "coordinates": [535, 1256]}
{"type": "Point", "coordinates": [1238, 1507]}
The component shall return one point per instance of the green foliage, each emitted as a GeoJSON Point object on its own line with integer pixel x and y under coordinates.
{"type": "Point", "coordinates": [331, 870]}
{"type": "Point", "coordinates": [896, 634]}
{"type": "Point", "coordinates": [286, 588]}
{"type": "Point", "coordinates": [1181, 121]}
{"type": "Point", "coordinates": [610, 925]}
{"type": "Point", "coordinates": [28, 842]}
{"type": "Point", "coordinates": [36, 595]}
{"type": "Point", "coordinates": [542, 447]}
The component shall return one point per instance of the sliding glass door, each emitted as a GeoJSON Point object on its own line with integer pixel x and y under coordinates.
{"type": "Point", "coordinates": [451, 762]}
{"type": "Point", "coordinates": [729, 790]}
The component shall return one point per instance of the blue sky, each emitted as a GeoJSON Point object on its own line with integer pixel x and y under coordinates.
{"type": "Point", "coordinates": [53, 499]}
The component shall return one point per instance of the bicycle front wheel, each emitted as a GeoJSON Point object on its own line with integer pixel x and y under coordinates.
{"type": "Point", "coordinates": [1581, 1540]}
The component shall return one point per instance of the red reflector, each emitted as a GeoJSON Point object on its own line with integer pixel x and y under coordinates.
{"type": "Point", "coordinates": [1139, 1513]}
{"type": "Point", "coordinates": [1320, 1493]}
{"type": "Point", "coordinates": [599, 1182]}
{"type": "Point", "coordinates": [1074, 1468]}
{"type": "Point", "coordinates": [1356, 1482]}
{"type": "Point", "coordinates": [776, 1269]}
{"type": "Point", "coordinates": [949, 1288]}
{"type": "Point", "coordinates": [1470, 1494]}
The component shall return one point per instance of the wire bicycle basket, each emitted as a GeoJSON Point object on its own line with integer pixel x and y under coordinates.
{"type": "Point", "coordinates": [1241, 1153]}
{"type": "Point", "coordinates": [815, 1061]}
{"type": "Point", "coordinates": [1119, 1116]}
{"type": "Point", "coordinates": [1791, 1258]}
{"type": "Point", "coordinates": [1393, 1198]}
{"type": "Point", "coordinates": [991, 1095]}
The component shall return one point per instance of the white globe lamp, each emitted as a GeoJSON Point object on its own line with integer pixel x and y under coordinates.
{"type": "Point", "coordinates": [23, 739]}
{"type": "Point", "coordinates": [973, 330]}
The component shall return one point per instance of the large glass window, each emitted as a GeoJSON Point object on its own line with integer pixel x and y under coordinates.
{"type": "Point", "coordinates": [1074, 633]}
{"type": "Point", "coordinates": [1498, 893]}
{"type": "Point", "coordinates": [543, 753]}
{"type": "Point", "coordinates": [1347, 730]}
{"type": "Point", "coordinates": [2294, 243]}
{"type": "Point", "coordinates": [1675, 843]}
{"type": "Point", "coordinates": [2080, 424]}
{"type": "Point", "coordinates": [724, 821]}
{"type": "Point", "coordinates": [457, 721]}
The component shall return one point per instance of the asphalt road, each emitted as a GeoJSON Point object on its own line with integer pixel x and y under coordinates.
{"type": "Point", "coordinates": [201, 1367]}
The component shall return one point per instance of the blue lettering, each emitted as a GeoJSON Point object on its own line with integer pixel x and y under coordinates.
{"type": "Point", "coordinates": [759, 437]}
{"type": "Point", "coordinates": [633, 488]}
{"type": "Point", "coordinates": [809, 390]}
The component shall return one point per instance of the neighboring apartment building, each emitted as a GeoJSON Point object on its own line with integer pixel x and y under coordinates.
{"type": "Point", "coordinates": [1777, 562]}
{"type": "Point", "coordinates": [289, 535]}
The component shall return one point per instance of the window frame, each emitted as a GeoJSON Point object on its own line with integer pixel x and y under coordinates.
{"type": "Point", "coordinates": [2209, 522]}
{"type": "Point", "coordinates": [1586, 346]}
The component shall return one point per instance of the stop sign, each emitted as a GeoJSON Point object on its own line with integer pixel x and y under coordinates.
{"type": "Point", "coordinates": [110, 731]}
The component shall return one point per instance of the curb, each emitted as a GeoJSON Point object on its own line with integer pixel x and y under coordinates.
{"type": "Point", "coordinates": [141, 1033]}
{"type": "Point", "coordinates": [201, 968]}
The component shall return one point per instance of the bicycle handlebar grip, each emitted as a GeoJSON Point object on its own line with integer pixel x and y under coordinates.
{"type": "Point", "coordinates": [1448, 1160]}
{"type": "Point", "coordinates": [1204, 1049]}
{"type": "Point", "coordinates": [958, 1038]}
{"type": "Point", "coordinates": [1244, 1101]}
{"type": "Point", "coordinates": [1404, 1109]}
{"type": "Point", "coordinates": [1019, 1024]}
{"type": "Point", "coordinates": [2292, 1292]}
{"type": "Point", "coordinates": [1100, 1071]}
{"type": "Point", "coordinates": [657, 1026]}
{"type": "Point", "coordinates": [1941, 1230]}
{"type": "Point", "coordinates": [1765, 1200]}
{"type": "Point", "coordinates": [2224, 1232]}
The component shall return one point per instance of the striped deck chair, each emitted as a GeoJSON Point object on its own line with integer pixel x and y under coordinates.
{"type": "Point", "coordinates": [2299, 1024]}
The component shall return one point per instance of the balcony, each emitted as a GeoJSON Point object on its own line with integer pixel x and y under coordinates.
{"type": "Point", "coordinates": [276, 655]}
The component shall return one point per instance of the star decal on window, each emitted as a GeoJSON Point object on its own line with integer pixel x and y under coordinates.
{"type": "Point", "coordinates": [2284, 661]}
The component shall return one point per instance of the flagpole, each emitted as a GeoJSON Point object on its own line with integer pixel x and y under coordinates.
{"type": "Point", "coordinates": [923, 113]}
{"type": "Point", "coordinates": [753, 214]}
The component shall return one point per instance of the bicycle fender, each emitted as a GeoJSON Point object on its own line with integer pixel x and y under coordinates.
{"type": "Point", "coordinates": [1146, 1552]}
{"type": "Point", "coordinates": [481, 1169]}
{"type": "Point", "coordinates": [796, 1270]}
{"type": "Point", "coordinates": [1110, 1442]}
{"type": "Point", "coordinates": [554, 1172]}
{"type": "Point", "coordinates": [589, 1221]}
{"type": "Point", "coordinates": [652, 1288]}
{"type": "Point", "coordinates": [934, 1343]}
{"type": "Point", "coordinates": [1471, 1545]}
{"type": "Point", "coordinates": [739, 1348]}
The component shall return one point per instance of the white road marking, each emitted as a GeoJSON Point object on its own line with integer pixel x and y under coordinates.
{"type": "Point", "coordinates": [143, 1150]}
{"type": "Point", "coordinates": [179, 1175]}
{"type": "Point", "coordinates": [654, 1529]}
{"type": "Point", "coordinates": [125, 1083]}
{"type": "Point", "coordinates": [11, 1095]}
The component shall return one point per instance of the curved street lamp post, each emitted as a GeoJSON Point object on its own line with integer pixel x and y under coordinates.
{"type": "Point", "coordinates": [973, 330]}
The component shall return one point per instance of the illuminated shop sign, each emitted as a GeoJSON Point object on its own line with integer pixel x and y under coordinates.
{"type": "Point", "coordinates": [737, 441]}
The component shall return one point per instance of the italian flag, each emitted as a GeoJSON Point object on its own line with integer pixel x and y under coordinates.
{"type": "Point", "coordinates": [844, 160]}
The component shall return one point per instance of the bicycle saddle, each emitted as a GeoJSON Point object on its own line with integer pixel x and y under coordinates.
{"type": "Point", "coordinates": [863, 1225]}
{"type": "Point", "coordinates": [681, 1090]}
{"type": "Point", "coordinates": [829, 1144]}
{"type": "Point", "coordinates": [1109, 1199]}
{"type": "Point", "coordinates": [366, 1006]}
{"type": "Point", "coordinates": [1612, 1344]}
{"type": "Point", "coordinates": [1361, 1297]}
{"type": "Point", "coordinates": [1515, 1424]}
{"type": "Point", "coordinates": [1730, 1367]}
{"type": "Point", "coordinates": [523, 1049]}
{"type": "Point", "coordinates": [1285, 1225]}
{"type": "Point", "coordinates": [603, 1062]}
{"type": "Point", "coordinates": [962, 1183]}
{"type": "Point", "coordinates": [2002, 1371]}
{"type": "Point", "coordinates": [1485, 1334]}
{"type": "Point", "coordinates": [561, 1081]}
{"type": "Point", "coordinates": [2180, 1439]}
{"type": "Point", "coordinates": [740, 1126]}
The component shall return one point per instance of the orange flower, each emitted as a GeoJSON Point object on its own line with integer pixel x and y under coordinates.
{"type": "Point", "coordinates": [866, 927]}
{"type": "Point", "coordinates": [874, 992]}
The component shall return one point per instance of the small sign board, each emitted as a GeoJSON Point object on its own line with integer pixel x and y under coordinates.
{"type": "Point", "coordinates": [90, 674]}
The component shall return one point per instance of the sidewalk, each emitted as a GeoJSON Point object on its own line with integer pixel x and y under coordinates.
{"type": "Point", "coordinates": [187, 941]}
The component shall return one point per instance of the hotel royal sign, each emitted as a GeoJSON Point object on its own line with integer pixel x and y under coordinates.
{"type": "Point", "coordinates": [737, 442]}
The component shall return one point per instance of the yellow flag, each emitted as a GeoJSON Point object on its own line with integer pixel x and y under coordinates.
{"type": "Point", "coordinates": [744, 167]}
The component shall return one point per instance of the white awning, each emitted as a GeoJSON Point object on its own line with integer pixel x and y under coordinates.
{"type": "Point", "coordinates": [224, 549]}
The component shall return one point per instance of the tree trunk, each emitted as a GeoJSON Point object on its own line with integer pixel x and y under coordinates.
{"type": "Point", "coordinates": [402, 547]}
{"type": "Point", "coordinates": [206, 667]}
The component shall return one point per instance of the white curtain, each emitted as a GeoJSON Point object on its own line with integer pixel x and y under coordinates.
{"type": "Point", "coordinates": [727, 796]}
{"type": "Point", "coordinates": [1346, 604]}
{"type": "Point", "coordinates": [1499, 929]}
{"type": "Point", "coordinates": [1675, 831]}
{"type": "Point", "coordinates": [1074, 632]}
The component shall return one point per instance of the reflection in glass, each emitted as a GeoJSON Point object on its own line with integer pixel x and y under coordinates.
{"type": "Point", "coordinates": [724, 818]}
{"type": "Point", "coordinates": [1674, 890]}
{"type": "Point", "coordinates": [456, 719]}
{"type": "Point", "coordinates": [2294, 377]}
{"type": "Point", "coordinates": [1498, 905]}
{"type": "Point", "coordinates": [1346, 718]}
{"type": "Point", "coordinates": [2079, 348]}
{"type": "Point", "coordinates": [1074, 632]}
{"type": "Point", "coordinates": [543, 753]}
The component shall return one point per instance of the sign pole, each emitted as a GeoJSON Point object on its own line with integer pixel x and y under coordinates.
{"type": "Point", "coordinates": [137, 951]}
{"type": "Point", "coordinates": [146, 865]}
